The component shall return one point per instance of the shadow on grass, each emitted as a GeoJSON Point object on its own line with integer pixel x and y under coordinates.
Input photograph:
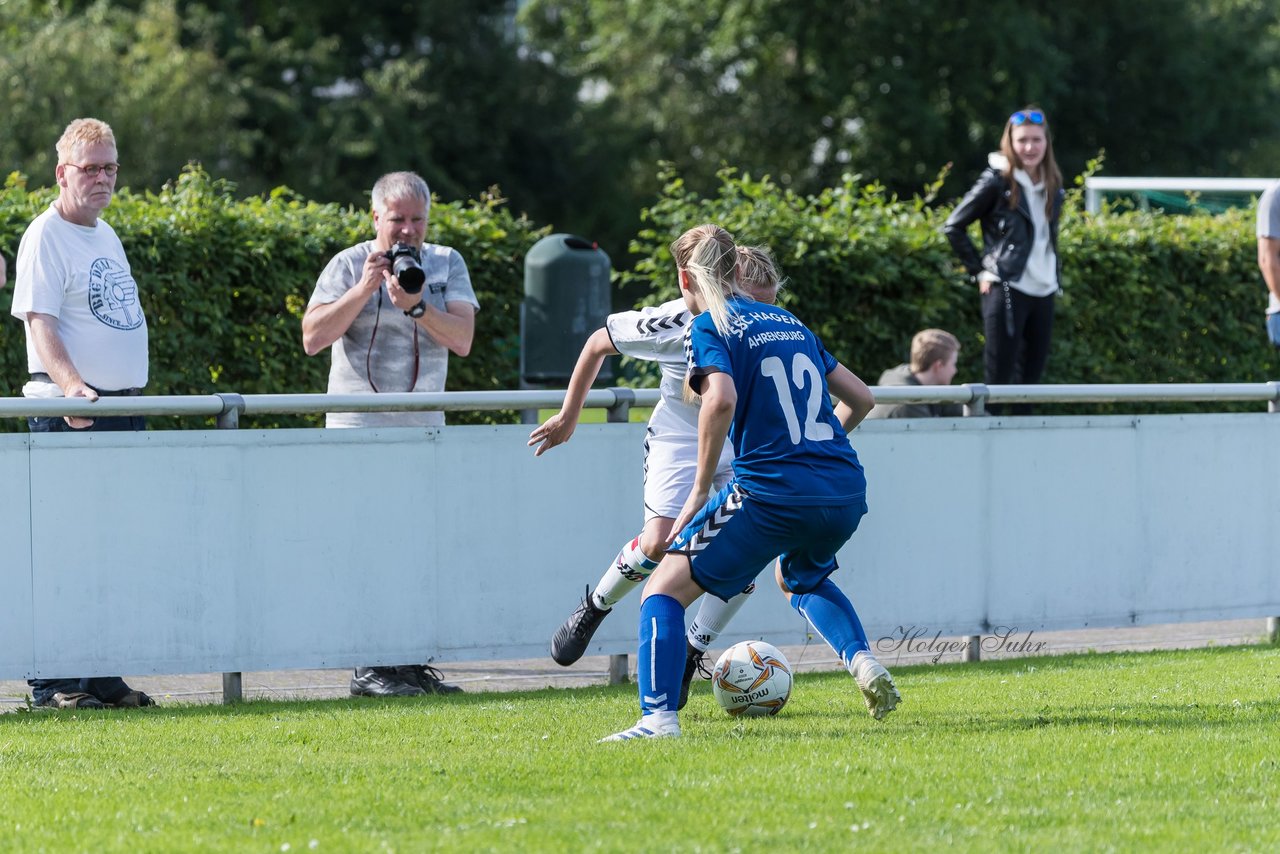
{"type": "Point", "coordinates": [333, 706]}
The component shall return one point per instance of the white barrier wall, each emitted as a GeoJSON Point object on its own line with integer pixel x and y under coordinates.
{"type": "Point", "coordinates": [183, 552]}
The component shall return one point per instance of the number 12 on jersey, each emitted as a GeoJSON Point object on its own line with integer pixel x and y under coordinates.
{"type": "Point", "coordinates": [803, 373]}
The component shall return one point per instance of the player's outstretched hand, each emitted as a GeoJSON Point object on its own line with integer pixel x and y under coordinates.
{"type": "Point", "coordinates": [556, 430]}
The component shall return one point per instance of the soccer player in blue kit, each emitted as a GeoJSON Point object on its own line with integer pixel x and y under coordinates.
{"type": "Point", "coordinates": [798, 491]}
{"type": "Point", "coordinates": [657, 334]}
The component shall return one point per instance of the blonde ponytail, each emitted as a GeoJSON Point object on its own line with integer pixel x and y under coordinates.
{"type": "Point", "coordinates": [708, 254]}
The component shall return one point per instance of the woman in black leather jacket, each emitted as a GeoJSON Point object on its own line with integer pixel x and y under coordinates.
{"type": "Point", "coordinates": [1018, 200]}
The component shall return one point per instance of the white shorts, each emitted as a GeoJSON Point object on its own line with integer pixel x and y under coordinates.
{"type": "Point", "coordinates": [671, 467]}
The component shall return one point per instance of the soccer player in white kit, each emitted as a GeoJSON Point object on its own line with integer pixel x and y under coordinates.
{"type": "Point", "coordinates": [671, 460]}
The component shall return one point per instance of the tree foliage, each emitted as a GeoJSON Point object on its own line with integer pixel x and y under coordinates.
{"type": "Point", "coordinates": [569, 106]}
{"type": "Point", "coordinates": [806, 90]}
{"type": "Point", "coordinates": [314, 96]}
{"type": "Point", "coordinates": [167, 97]}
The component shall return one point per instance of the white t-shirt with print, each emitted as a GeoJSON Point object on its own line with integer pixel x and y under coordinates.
{"type": "Point", "coordinates": [79, 274]}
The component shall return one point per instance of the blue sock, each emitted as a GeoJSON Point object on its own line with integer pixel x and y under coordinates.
{"type": "Point", "coordinates": [831, 613]}
{"type": "Point", "coordinates": [660, 661]}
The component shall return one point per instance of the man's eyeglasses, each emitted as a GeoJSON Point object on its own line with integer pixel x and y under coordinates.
{"type": "Point", "coordinates": [93, 170]}
{"type": "Point", "coordinates": [1022, 117]}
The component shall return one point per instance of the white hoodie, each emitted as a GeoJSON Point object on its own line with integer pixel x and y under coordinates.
{"type": "Point", "coordinates": [1040, 276]}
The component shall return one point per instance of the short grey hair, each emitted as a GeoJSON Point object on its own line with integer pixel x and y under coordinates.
{"type": "Point", "coordinates": [82, 132]}
{"type": "Point", "coordinates": [397, 186]}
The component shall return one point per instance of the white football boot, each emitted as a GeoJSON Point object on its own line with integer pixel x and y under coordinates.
{"type": "Point", "coordinates": [655, 725]}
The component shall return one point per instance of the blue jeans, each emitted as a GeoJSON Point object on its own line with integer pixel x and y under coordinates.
{"type": "Point", "coordinates": [1273, 328]}
{"type": "Point", "coordinates": [108, 689]}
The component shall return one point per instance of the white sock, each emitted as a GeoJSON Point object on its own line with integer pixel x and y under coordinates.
{"type": "Point", "coordinates": [629, 570]}
{"type": "Point", "coordinates": [713, 616]}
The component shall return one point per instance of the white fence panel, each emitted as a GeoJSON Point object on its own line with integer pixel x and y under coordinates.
{"type": "Point", "coordinates": [181, 552]}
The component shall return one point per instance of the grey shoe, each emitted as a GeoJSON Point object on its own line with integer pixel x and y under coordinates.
{"type": "Point", "coordinates": [382, 682]}
{"type": "Point", "coordinates": [132, 700]}
{"type": "Point", "coordinates": [571, 639]}
{"type": "Point", "coordinates": [427, 678]}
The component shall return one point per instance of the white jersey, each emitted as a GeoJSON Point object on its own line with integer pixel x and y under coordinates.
{"type": "Point", "coordinates": [80, 275]}
{"type": "Point", "coordinates": [656, 334]}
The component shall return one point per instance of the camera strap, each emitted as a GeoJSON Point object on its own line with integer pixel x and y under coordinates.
{"type": "Point", "coordinates": [368, 355]}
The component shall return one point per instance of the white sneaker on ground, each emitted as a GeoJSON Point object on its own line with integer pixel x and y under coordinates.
{"type": "Point", "coordinates": [656, 725]}
{"type": "Point", "coordinates": [876, 685]}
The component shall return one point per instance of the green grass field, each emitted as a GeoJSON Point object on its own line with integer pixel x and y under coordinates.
{"type": "Point", "coordinates": [1124, 751]}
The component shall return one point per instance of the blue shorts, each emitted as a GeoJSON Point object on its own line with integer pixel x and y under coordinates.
{"type": "Point", "coordinates": [1273, 328]}
{"type": "Point", "coordinates": [736, 535]}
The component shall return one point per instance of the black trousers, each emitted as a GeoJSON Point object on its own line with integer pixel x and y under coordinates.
{"type": "Point", "coordinates": [1020, 357]}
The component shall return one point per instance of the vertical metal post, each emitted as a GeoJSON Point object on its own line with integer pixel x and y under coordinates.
{"type": "Point", "coordinates": [229, 419]}
{"type": "Point", "coordinates": [617, 669]}
{"type": "Point", "coordinates": [1092, 198]}
{"type": "Point", "coordinates": [1273, 629]}
{"type": "Point", "coordinates": [232, 688]}
{"type": "Point", "coordinates": [972, 648]}
{"type": "Point", "coordinates": [528, 416]}
{"type": "Point", "coordinates": [620, 412]}
{"type": "Point", "coordinates": [977, 404]}
{"type": "Point", "coordinates": [1273, 405]}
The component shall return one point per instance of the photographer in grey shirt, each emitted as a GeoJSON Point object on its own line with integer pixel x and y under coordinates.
{"type": "Point", "coordinates": [392, 309]}
{"type": "Point", "coordinates": [388, 336]}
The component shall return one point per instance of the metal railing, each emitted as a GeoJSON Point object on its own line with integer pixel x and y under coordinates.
{"type": "Point", "coordinates": [1094, 187]}
{"type": "Point", "coordinates": [227, 407]}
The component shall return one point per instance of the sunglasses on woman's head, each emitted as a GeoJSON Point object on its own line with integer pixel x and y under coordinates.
{"type": "Point", "coordinates": [1023, 117]}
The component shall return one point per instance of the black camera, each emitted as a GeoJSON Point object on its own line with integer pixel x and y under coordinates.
{"type": "Point", "coordinates": [406, 266]}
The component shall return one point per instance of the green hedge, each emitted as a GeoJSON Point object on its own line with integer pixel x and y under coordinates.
{"type": "Point", "coordinates": [224, 283]}
{"type": "Point", "coordinates": [1147, 297]}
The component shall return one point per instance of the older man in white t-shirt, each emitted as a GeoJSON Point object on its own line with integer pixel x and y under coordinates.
{"type": "Point", "coordinates": [1269, 256]}
{"type": "Point", "coordinates": [86, 334]}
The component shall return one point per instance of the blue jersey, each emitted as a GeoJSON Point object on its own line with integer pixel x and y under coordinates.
{"type": "Point", "coordinates": [790, 448]}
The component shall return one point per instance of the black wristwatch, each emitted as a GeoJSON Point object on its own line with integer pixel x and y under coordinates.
{"type": "Point", "coordinates": [418, 310]}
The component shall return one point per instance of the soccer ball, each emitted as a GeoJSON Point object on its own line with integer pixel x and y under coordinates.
{"type": "Point", "coordinates": [752, 679]}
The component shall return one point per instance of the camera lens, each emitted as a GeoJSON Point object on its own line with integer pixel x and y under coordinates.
{"type": "Point", "coordinates": [406, 269]}
{"type": "Point", "coordinates": [409, 274]}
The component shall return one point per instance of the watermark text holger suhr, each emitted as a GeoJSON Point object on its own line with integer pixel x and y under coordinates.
{"type": "Point", "coordinates": [918, 640]}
